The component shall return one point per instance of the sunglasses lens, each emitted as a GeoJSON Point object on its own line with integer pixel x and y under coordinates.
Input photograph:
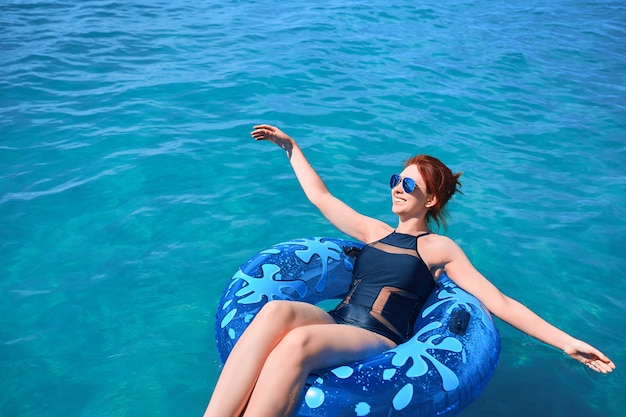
{"type": "Point", "coordinates": [408, 184]}
{"type": "Point", "coordinates": [395, 179]}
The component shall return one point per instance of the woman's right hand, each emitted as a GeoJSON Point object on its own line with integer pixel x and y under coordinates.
{"type": "Point", "coordinates": [274, 135]}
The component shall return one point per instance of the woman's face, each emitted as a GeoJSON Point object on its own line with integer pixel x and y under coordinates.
{"type": "Point", "coordinates": [412, 203]}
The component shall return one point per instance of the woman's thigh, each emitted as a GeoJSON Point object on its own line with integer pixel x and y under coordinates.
{"type": "Point", "coordinates": [292, 314]}
{"type": "Point", "coordinates": [328, 345]}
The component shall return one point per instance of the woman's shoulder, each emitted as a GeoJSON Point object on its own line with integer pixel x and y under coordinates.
{"type": "Point", "coordinates": [437, 240]}
{"type": "Point", "coordinates": [376, 232]}
{"type": "Point", "coordinates": [438, 249]}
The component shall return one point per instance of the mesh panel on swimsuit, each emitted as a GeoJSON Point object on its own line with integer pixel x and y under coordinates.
{"type": "Point", "coordinates": [390, 283]}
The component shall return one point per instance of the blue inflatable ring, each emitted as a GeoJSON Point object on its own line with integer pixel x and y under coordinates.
{"type": "Point", "coordinates": [437, 372]}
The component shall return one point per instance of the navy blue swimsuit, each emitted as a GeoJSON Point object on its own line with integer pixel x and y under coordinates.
{"type": "Point", "coordinates": [390, 284]}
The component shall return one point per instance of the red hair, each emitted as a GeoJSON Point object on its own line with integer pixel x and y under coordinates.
{"type": "Point", "coordinates": [440, 181]}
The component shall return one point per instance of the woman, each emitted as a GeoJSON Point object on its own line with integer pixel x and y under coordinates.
{"type": "Point", "coordinates": [266, 370]}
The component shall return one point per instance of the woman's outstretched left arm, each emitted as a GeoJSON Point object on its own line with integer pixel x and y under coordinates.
{"type": "Point", "coordinates": [462, 272]}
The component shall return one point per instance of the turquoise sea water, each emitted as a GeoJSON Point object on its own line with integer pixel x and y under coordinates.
{"type": "Point", "coordinates": [130, 190]}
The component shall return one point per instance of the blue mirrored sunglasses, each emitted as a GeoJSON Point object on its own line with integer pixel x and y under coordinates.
{"type": "Point", "coordinates": [408, 184]}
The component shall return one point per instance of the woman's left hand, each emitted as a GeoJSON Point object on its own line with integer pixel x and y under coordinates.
{"type": "Point", "coordinates": [590, 356]}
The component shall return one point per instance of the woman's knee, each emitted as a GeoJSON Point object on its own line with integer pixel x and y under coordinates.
{"type": "Point", "coordinates": [276, 312]}
{"type": "Point", "coordinates": [297, 347]}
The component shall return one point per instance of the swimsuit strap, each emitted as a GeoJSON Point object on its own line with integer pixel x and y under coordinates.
{"type": "Point", "coordinates": [416, 248]}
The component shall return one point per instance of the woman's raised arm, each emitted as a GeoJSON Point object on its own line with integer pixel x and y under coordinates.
{"type": "Point", "coordinates": [342, 216]}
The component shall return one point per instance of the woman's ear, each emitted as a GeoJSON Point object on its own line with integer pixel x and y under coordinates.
{"type": "Point", "coordinates": [431, 201]}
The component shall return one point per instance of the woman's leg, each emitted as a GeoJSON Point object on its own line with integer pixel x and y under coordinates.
{"type": "Point", "coordinates": [242, 368]}
{"type": "Point", "coordinates": [304, 349]}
